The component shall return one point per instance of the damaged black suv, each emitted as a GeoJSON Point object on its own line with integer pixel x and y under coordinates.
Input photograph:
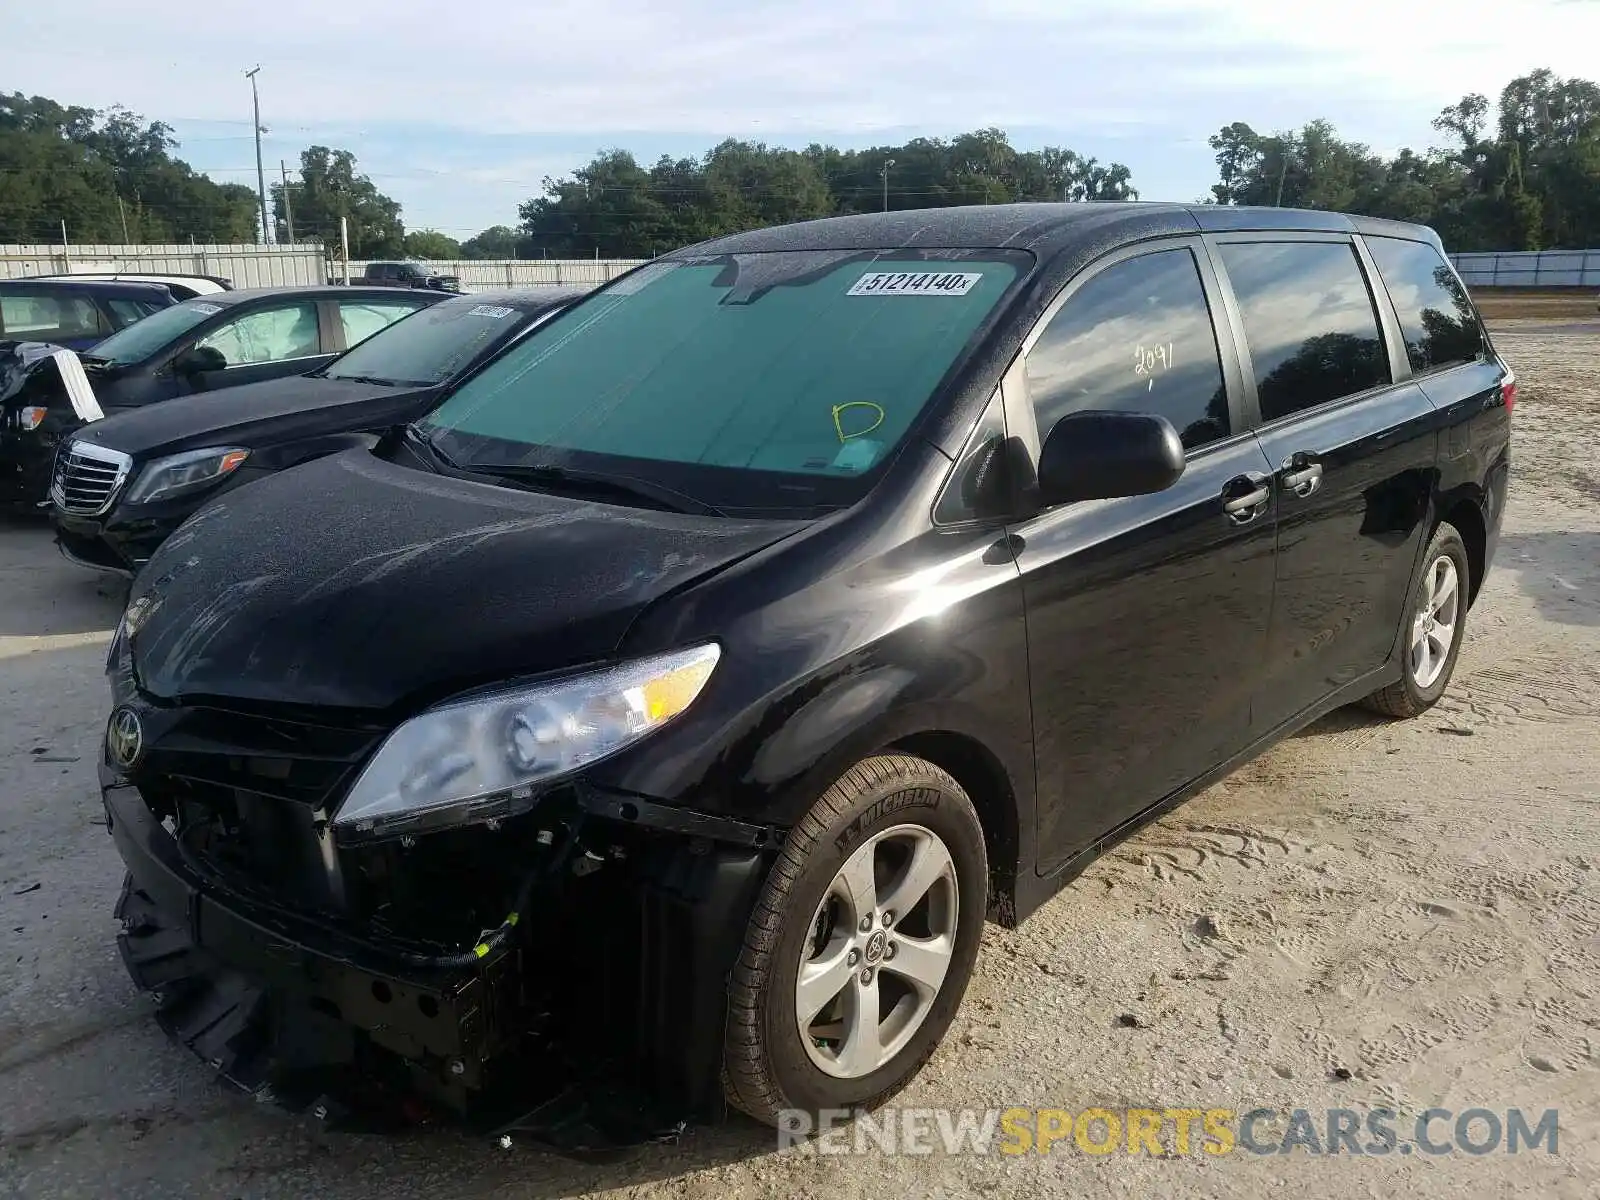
{"type": "Point", "coordinates": [669, 707]}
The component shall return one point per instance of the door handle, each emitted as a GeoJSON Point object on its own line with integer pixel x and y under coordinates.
{"type": "Point", "coordinates": [1243, 506]}
{"type": "Point", "coordinates": [1301, 474]}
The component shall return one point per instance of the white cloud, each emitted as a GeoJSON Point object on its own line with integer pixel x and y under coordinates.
{"type": "Point", "coordinates": [1156, 75]}
{"type": "Point", "coordinates": [718, 66]}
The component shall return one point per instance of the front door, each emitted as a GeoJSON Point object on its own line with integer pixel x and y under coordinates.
{"type": "Point", "coordinates": [265, 343]}
{"type": "Point", "coordinates": [1353, 455]}
{"type": "Point", "coordinates": [1147, 616]}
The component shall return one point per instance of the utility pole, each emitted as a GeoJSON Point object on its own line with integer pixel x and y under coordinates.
{"type": "Point", "coordinates": [1282, 174]}
{"type": "Point", "coordinates": [288, 208]}
{"type": "Point", "coordinates": [261, 175]}
{"type": "Point", "coordinates": [887, 163]}
{"type": "Point", "coordinates": [123, 213]}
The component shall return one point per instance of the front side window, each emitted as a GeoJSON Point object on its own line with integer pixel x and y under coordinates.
{"type": "Point", "coordinates": [1136, 337]}
{"type": "Point", "coordinates": [1309, 322]}
{"type": "Point", "coordinates": [126, 312]}
{"type": "Point", "coordinates": [144, 338]}
{"type": "Point", "coordinates": [267, 335]}
{"type": "Point", "coordinates": [363, 318]}
{"type": "Point", "coordinates": [766, 380]}
{"type": "Point", "coordinates": [1437, 319]}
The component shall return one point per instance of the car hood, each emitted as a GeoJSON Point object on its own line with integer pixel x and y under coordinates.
{"type": "Point", "coordinates": [359, 583]}
{"type": "Point", "coordinates": [257, 414]}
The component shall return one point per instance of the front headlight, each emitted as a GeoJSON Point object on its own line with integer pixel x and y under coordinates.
{"type": "Point", "coordinates": [481, 759]}
{"type": "Point", "coordinates": [178, 473]}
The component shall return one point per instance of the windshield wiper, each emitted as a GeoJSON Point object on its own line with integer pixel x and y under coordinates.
{"type": "Point", "coordinates": [437, 456]}
{"type": "Point", "coordinates": [372, 379]}
{"type": "Point", "coordinates": [541, 474]}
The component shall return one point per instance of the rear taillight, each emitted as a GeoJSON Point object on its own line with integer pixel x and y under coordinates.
{"type": "Point", "coordinates": [1508, 394]}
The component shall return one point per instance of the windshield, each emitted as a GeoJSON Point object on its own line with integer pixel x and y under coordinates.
{"type": "Point", "coordinates": [143, 338]}
{"type": "Point", "coordinates": [431, 345]}
{"type": "Point", "coordinates": [766, 381]}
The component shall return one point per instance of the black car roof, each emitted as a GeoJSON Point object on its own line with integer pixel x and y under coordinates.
{"type": "Point", "coordinates": [106, 287]}
{"type": "Point", "coordinates": [315, 292]}
{"type": "Point", "coordinates": [532, 299]}
{"type": "Point", "coordinates": [1044, 229]}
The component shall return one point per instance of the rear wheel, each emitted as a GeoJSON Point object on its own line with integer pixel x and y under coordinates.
{"type": "Point", "coordinates": [1435, 625]}
{"type": "Point", "coordinates": [862, 944]}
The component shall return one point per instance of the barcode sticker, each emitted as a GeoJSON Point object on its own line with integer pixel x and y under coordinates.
{"type": "Point", "coordinates": [490, 310]}
{"type": "Point", "coordinates": [915, 283]}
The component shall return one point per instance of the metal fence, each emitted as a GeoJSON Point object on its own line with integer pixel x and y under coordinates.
{"type": "Point", "coordinates": [245, 265]}
{"type": "Point", "coordinates": [304, 263]}
{"type": "Point", "coordinates": [522, 272]}
{"type": "Point", "coordinates": [1529, 268]}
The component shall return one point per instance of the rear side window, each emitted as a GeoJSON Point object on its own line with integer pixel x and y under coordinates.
{"type": "Point", "coordinates": [1309, 322]}
{"type": "Point", "coordinates": [363, 318]}
{"type": "Point", "coordinates": [38, 318]}
{"type": "Point", "coordinates": [1436, 315]}
{"type": "Point", "coordinates": [1137, 337]}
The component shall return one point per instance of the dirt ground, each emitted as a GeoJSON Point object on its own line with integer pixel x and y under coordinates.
{"type": "Point", "coordinates": [1372, 913]}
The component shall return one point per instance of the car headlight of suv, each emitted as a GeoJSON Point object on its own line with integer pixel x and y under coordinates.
{"type": "Point", "coordinates": [486, 757]}
{"type": "Point", "coordinates": [186, 472]}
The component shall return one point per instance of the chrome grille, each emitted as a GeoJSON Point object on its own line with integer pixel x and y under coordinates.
{"type": "Point", "coordinates": [87, 477]}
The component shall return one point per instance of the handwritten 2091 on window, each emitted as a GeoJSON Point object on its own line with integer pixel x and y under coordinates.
{"type": "Point", "coordinates": [1149, 361]}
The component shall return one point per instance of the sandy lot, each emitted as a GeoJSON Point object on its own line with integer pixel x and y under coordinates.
{"type": "Point", "coordinates": [1370, 914]}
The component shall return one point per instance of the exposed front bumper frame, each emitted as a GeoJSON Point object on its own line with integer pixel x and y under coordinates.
{"type": "Point", "coordinates": [257, 993]}
{"type": "Point", "coordinates": [213, 962]}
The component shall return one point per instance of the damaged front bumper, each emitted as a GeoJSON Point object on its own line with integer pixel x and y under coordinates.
{"type": "Point", "coordinates": [597, 1024]}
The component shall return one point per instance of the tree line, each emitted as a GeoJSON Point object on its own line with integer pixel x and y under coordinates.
{"type": "Point", "coordinates": [1518, 173]}
{"type": "Point", "coordinates": [110, 177]}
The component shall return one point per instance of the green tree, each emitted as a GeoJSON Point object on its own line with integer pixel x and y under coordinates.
{"type": "Point", "coordinates": [1522, 173]}
{"type": "Point", "coordinates": [430, 243]}
{"type": "Point", "coordinates": [330, 188]}
{"type": "Point", "coordinates": [111, 176]}
{"type": "Point", "coordinates": [616, 207]}
{"type": "Point", "coordinates": [497, 241]}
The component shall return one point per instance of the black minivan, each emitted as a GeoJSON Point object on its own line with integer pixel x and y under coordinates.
{"type": "Point", "coordinates": [674, 701]}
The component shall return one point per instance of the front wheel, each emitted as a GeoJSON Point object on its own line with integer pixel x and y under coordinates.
{"type": "Point", "coordinates": [1435, 624]}
{"type": "Point", "coordinates": [861, 946]}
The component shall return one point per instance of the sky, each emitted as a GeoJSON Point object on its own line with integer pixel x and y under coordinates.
{"type": "Point", "coordinates": [460, 111]}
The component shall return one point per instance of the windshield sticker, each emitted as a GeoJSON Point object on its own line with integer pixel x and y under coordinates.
{"type": "Point", "coordinates": [857, 455]}
{"type": "Point", "coordinates": [915, 283]}
{"type": "Point", "coordinates": [490, 310]}
{"type": "Point", "coordinates": [863, 417]}
{"type": "Point", "coordinates": [206, 309]}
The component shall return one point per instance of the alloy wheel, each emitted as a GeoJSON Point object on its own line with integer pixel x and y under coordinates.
{"type": "Point", "coordinates": [1433, 630]}
{"type": "Point", "coordinates": [881, 945]}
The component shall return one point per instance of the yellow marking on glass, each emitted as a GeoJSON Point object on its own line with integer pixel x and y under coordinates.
{"type": "Point", "coordinates": [838, 423]}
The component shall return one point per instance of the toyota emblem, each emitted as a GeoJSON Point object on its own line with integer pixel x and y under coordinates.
{"type": "Point", "coordinates": [124, 737]}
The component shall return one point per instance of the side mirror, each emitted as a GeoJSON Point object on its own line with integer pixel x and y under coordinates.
{"type": "Point", "coordinates": [1098, 455]}
{"type": "Point", "coordinates": [199, 359]}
